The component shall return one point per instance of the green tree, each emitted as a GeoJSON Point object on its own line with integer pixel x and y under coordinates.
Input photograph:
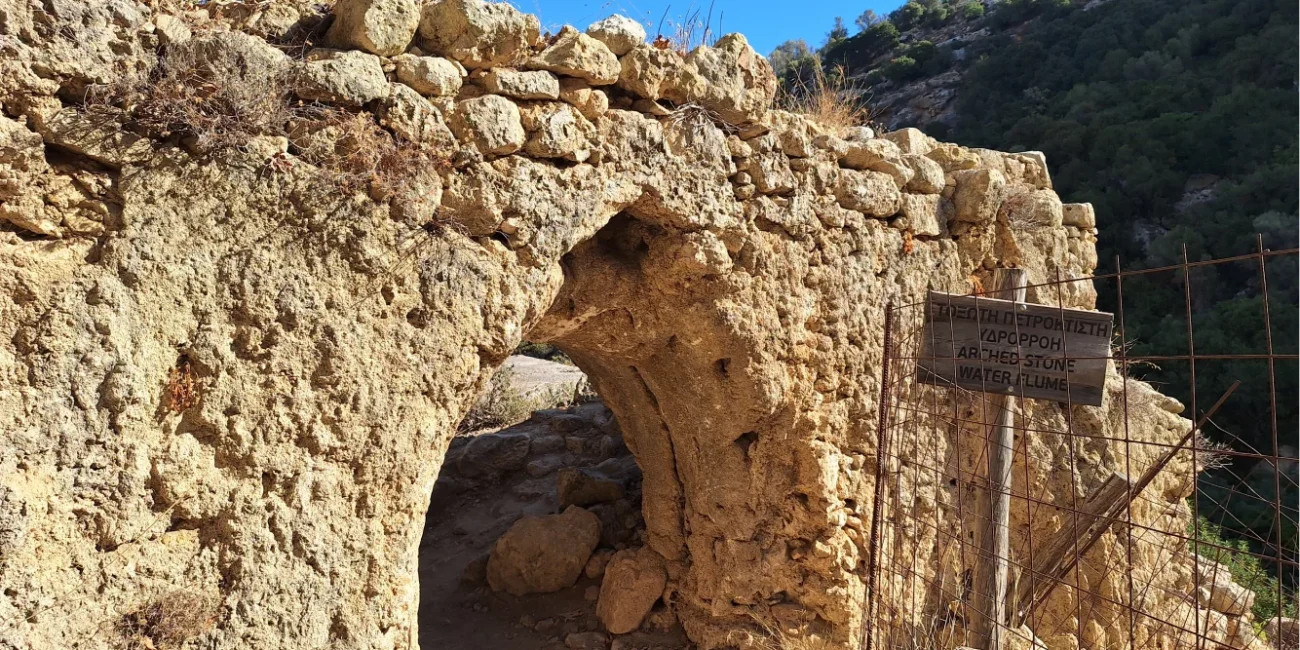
{"type": "Point", "coordinates": [867, 20]}
{"type": "Point", "coordinates": [973, 10]}
{"type": "Point", "coordinates": [838, 33]}
{"type": "Point", "coordinates": [860, 49]}
{"type": "Point", "coordinates": [908, 16]}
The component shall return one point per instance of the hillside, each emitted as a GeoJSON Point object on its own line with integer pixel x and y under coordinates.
{"type": "Point", "coordinates": [1176, 119]}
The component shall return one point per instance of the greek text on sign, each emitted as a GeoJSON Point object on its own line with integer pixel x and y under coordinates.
{"type": "Point", "coordinates": [1018, 349]}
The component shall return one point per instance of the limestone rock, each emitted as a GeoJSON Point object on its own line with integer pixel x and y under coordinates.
{"type": "Point", "coordinates": [521, 85]}
{"type": "Point", "coordinates": [978, 195]}
{"type": "Point", "coordinates": [619, 33]}
{"type": "Point", "coordinates": [911, 141]}
{"type": "Point", "coordinates": [575, 54]}
{"type": "Point", "coordinates": [927, 175]}
{"type": "Point", "coordinates": [478, 34]}
{"type": "Point", "coordinates": [1079, 215]}
{"type": "Point", "coordinates": [412, 117]}
{"type": "Point", "coordinates": [543, 554]}
{"type": "Point", "coordinates": [920, 214]}
{"type": "Point", "coordinates": [491, 454]}
{"type": "Point", "coordinates": [557, 130]}
{"type": "Point", "coordinates": [1039, 208]}
{"type": "Point", "coordinates": [590, 102]}
{"type": "Point", "coordinates": [864, 154]}
{"type": "Point", "coordinates": [770, 172]}
{"type": "Point", "coordinates": [349, 78]}
{"type": "Point", "coordinates": [896, 168]}
{"type": "Point", "coordinates": [1035, 170]}
{"type": "Point", "coordinates": [491, 123]}
{"type": "Point", "coordinates": [171, 30]}
{"type": "Point", "coordinates": [586, 641]}
{"type": "Point", "coordinates": [871, 193]}
{"type": "Point", "coordinates": [1285, 631]}
{"type": "Point", "coordinates": [1220, 593]}
{"type": "Point", "coordinates": [101, 140]}
{"type": "Point", "coordinates": [858, 134]}
{"type": "Point", "coordinates": [584, 487]}
{"type": "Point", "coordinates": [729, 78]}
{"type": "Point", "coordinates": [634, 580]}
{"type": "Point", "coordinates": [596, 564]}
{"type": "Point", "coordinates": [430, 75]}
{"type": "Point", "coordinates": [383, 27]}
{"type": "Point", "coordinates": [647, 71]}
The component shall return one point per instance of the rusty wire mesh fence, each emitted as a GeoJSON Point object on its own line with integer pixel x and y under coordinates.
{"type": "Point", "coordinates": [1146, 522]}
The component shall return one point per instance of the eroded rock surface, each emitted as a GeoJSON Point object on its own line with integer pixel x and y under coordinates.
{"type": "Point", "coordinates": [236, 371]}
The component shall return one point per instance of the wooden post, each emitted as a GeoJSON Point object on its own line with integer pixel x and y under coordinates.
{"type": "Point", "coordinates": [989, 583]}
{"type": "Point", "coordinates": [1052, 565]}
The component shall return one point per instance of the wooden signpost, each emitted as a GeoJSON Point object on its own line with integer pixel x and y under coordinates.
{"type": "Point", "coordinates": [1014, 348]}
{"type": "Point", "coordinates": [1004, 346]}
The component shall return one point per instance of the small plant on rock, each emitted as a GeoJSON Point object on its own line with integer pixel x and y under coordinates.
{"type": "Point", "coordinates": [828, 100]}
{"type": "Point", "coordinates": [168, 622]}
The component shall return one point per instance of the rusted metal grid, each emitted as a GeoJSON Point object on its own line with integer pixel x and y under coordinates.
{"type": "Point", "coordinates": [933, 465]}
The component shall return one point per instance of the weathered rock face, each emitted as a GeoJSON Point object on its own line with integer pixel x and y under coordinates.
{"type": "Point", "coordinates": [227, 374]}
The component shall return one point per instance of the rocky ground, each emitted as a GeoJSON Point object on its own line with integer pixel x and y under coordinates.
{"type": "Point", "coordinates": [511, 484]}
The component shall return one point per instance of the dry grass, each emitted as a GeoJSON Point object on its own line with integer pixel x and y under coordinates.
{"type": "Point", "coordinates": [828, 100]}
{"type": "Point", "coordinates": [168, 622]}
{"type": "Point", "coordinates": [204, 98]}
{"type": "Point", "coordinates": [501, 405]}
{"type": "Point", "coordinates": [694, 117]}
{"type": "Point", "coordinates": [190, 95]}
{"type": "Point", "coordinates": [358, 154]}
{"type": "Point", "coordinates": [182, 390]}
{"type": "Point", "coordinates": [690, 32]}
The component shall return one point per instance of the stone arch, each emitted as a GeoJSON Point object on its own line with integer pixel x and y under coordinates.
{"type": "Point", "coordinates": [718, 267]}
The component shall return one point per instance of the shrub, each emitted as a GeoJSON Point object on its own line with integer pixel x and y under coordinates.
{"type": "Point", "coordinates": [901, 68]}
{"type": "Point", "coordinates": [860, 49]}
{"type": "Point", "coordinates": [937, 16]}
{"type": "Point", "coordinates": [501, 405]}
{"type": "Point", "coordinates": [908, 16]}
{"type": "Point", "coordinates": [1245, 568]}
{"type": "Point", "coordinates": [973, 10]}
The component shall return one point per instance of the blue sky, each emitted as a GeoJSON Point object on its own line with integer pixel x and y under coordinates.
{"type": "Point", "coordinates": [766, 23]}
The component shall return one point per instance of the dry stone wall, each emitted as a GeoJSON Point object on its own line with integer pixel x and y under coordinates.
{"type": "Point", "coordinates": [228, 380]}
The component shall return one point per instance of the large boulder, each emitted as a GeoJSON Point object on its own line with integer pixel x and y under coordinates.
{"type": "Point", "coordinates": [543, 554]}
{"type": "Point", "coordinates": [872, 193]}
{"type": "Point", "coordinates": [634, 580]}
{"type": "Point", "coordinates": [619, 33]}
{"type": "Point", "coordinates": [575, 54]}
{"type": "Point", "coordinates": [537, 84]}
{"type": "Point", "coordinates": [1285, 632]}
{"type": "Point", "coordinates": [478, 34]}
{"type": "Point", "coordinates": [729, 78]}
{"type": "Point", "coordinates": [978, 195]}
{"type": "Point", "coordinates": [558, 130]}
{"type": "Point", "coordinates": [491, 123]}
{"type": "Point", "coordinates": [413, 118]}
{"type": "Point", "coordinates": [584, 487]}
{"type": "Point", "coordinates": [349, 78]}
{"type": "Point", "coordinates": [433, 76]}
{"type": "Point", "coordinates": [383, 27]}
{"type": "Point", "coordinates": [491, 454]}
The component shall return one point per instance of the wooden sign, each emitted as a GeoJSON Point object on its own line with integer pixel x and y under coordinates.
{"type": "Point", "coordinates": [1015, 348]}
